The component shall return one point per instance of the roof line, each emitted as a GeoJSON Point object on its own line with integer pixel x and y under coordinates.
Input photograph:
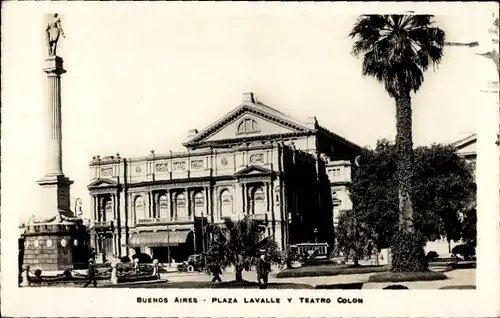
{"type": "Point", "coordinates": [464, 140]}
{"type": "Point", "coordinates": [342, 139]}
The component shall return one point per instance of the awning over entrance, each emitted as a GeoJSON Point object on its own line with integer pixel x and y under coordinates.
{"type": "Point", "coordinates": [161, 238]}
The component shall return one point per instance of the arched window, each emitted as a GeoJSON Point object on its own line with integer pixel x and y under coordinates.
{"type": "Point", "coordinates": [140, 208]}
{"type": "Point", "coordinates": [258, 201]}
{"type": "Point", "coordinates": [199, 203]}
{"type": "Point", "coordinates": [108, 210]}
{"type": "Point", "coordinates": [248, 125]}
{"type": "Point", "coordinates": [180, 205]}
{"type": "Point", "coordinates": [226, 203]}
{"type": "Point", "coordinates": [163, 206]}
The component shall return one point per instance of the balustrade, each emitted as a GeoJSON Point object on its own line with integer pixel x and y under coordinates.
{"type": "Point", "coordinates": [103, 225]}
{"type": "Point", "coordinates": [178, 219]}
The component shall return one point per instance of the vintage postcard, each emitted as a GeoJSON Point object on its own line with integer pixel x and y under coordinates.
{"type": "Point", "coordinates": [250, 159]}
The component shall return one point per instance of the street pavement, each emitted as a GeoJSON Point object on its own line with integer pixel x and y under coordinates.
{"type": "Point", "coordinates": [455, 277]}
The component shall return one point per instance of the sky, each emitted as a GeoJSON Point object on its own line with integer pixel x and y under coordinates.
{"type": "Point", "coordinates": [139, 76]}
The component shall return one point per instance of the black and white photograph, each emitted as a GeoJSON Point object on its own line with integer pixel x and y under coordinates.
{"type": "Point", "coordinates": [299, 157]}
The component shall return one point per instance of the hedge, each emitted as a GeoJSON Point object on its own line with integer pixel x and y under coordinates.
{"type": "Point", "coordinates": [459, 287]}
{"type": "Point", "coordinates": [315, 271]}
{"type": "Point", "coordinates": [406, 277]}
{"type": "Point", "coordinates": [396, 287]}
{"type": "Point", "coordinates": [341, 286]}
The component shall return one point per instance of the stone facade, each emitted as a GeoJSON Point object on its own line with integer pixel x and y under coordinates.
{"type": "Point", "coordinates": [254, 161]}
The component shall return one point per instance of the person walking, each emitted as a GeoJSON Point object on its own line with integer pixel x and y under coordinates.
{"type": "Point", "coordinates": [216, 271]}
{"type": "Point", "coordinates": [91, 274]}
{"type": "Point", "coordinates": [263, 269]}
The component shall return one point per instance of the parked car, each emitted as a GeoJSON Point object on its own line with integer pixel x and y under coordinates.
{"type": "Point", "coordinates": [195, 262]}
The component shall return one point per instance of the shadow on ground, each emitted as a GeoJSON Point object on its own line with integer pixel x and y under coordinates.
{"type": "Point", "coordinates": [341, 286]}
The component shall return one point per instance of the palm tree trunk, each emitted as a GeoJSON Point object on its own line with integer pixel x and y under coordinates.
{"type": "Point", "coordinates": [405, 157]}
{"type": "Point", "coordinates": [238, 270]}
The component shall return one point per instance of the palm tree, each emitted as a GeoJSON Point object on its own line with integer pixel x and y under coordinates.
{"type": "Point", "coordinates": [238, 243]}
{"type": "Point", "coordinates": [396, 50]}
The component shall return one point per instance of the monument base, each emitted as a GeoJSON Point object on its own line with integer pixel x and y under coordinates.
{"type": "Point", "coordinates": [55, 245]}
{"type": "Point", "coordinates": [56, 194]}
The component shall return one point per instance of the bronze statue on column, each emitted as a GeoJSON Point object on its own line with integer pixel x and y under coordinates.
{"type": "Point", "coordinates": [53, 31]}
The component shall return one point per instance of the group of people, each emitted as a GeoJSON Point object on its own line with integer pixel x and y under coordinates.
{"type": "Point", "coordinates": [262, 266]}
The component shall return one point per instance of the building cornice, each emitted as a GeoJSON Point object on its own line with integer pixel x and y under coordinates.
{"type": "Point", "coordinates": [248, 139]}
{"type": "Point", "coordinates": [212, 148]}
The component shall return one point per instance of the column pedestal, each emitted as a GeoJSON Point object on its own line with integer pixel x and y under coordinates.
{"type": "Point", "coordinates": [55, 196]}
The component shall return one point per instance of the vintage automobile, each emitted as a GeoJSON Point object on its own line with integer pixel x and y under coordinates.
{"type": "Point", "coordinates": [195, 262]}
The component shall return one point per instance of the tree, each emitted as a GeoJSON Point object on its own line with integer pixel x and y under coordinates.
{"type": "Point", "coordinates": [355, 237]}
{"type": "Point", "coordinates": [397, 50]}
{"type": "Point", "coordinates": [374, 192]}
{"type": "Point", "coordinates": [238, 243]}
{"type": "Point", "coordinates": [469, 223]}
{"type": "Point", "coordinates": [443, 189]}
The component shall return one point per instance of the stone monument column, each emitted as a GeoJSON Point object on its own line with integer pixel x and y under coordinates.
{"type": "Point", "coordinates": [55, 240]}
{"type": "Point", "coordinates": [55, 186]}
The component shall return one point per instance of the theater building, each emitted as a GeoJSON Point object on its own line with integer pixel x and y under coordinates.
{"type": "Point", "coordinates": [253, 162]}
{"type": "Point", "coordinates": [466, 148]}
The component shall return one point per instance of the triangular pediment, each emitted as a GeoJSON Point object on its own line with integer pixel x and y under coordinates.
{"type": "Point", "coordinates": [252, 170]}
{"type": "Point", "coordinates": [102, 183]}
{"type": "Point", "coordinates": [250, 119]}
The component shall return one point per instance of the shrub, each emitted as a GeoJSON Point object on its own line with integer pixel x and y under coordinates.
{"type": "Point", "coordinates": [67, 274]}
{"type": "Point", "coordinates": [408, 253]}
{"type": "Point", "coordinates": [143, 258]}
{"type": "Point", "coordinates": [395, 287]}
{"type": "Point", "coordinates": [465, 250]}
{"type": "Point", "coordinates": [125, 259]}
{"type": "Point", "coordinates": [38, 274]}
{"type": "Point", "coordinates": [406, 277]}
{"type": "Point", "coordinates": [432, 255]}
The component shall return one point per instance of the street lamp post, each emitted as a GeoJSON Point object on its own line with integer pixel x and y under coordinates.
{"type": "Point", "coordinates": [316, 235]}
{"type": "Point", "coordinates": [202, 235]}
{"type": "Point", "coordinates": [168, 244]}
